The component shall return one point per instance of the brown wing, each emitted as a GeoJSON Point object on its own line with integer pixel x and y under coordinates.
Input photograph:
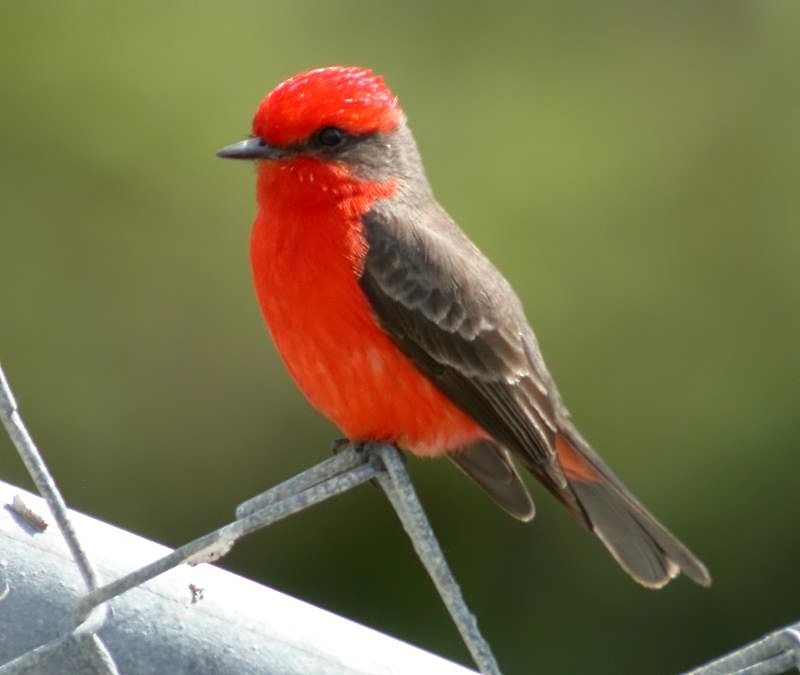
{"type": "Point", "coordinates": [455, 316]}
{"type": "Point", "coordinates": [491, 468]}
{"type": "Point", "coordinates": [459, 321]}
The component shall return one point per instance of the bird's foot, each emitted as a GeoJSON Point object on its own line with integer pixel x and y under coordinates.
{"type": "Point", "coordinates": [366, 450]}
{"type": "Point", "coordinates": [372, 453]}
{"type": "Point", "coordinates": [339, 444]}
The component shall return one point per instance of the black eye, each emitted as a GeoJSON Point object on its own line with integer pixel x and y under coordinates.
{"type": "Point", "coordinates": [330, 137]}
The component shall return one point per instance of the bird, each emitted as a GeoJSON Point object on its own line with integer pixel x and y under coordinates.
{"type": "Point", "coordinates": [398, 329]}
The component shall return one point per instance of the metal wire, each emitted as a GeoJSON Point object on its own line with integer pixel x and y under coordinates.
{"type": "Point", "coordinates": [46, 486]}
{"type": "Point", "coordinates": [398, 487]}
{"type": "Point", "coordinates": [339, 474]}
{"type": "Point", "coordinates": [199, 619]}
{"type": "Point", "coordinates": [778, 652]}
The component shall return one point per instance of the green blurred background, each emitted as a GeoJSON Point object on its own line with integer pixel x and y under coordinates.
{"type": "Point", "coordinates": [631, 166]}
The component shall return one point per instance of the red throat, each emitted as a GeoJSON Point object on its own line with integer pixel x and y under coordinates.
{"type": "Point", "coordinates": [307, 251]}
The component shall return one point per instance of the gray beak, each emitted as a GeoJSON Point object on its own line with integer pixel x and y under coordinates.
{"type": "Point", "coordinates": [250, 148]}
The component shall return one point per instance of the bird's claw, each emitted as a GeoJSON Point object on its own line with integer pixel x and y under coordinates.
{"type": "Point", "coordinates": [339, 444]}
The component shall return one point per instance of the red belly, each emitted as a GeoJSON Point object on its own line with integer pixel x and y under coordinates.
{"type": "Point", "coordinates": [306, 277]}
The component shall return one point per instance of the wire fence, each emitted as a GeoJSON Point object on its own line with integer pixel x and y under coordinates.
{"type": "Point", "coordinates": [778, 652]}
{"type": "Point", "coordinates": [155, 614]}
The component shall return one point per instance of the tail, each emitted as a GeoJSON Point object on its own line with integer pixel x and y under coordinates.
{"type": "Point", "coordinates": [644, 548]}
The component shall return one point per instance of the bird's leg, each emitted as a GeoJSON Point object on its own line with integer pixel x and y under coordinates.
{"type": "Point", "coordinates": [340, 444]}
{"type": "Point", "coordinates": [363, 449]}
{"type": "Point", "coordinates": [396, 483]}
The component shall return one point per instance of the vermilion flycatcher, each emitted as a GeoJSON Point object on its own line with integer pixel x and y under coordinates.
{"type": "Point", "coordinates": [397, 328]}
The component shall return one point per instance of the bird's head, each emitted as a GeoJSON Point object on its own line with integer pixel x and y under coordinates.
{"type": "Point", "coordinates": [353, 101]}
{"type": "Point", "coordinates": [341, 115]}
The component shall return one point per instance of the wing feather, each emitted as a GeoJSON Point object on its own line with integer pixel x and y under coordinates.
{"type": "Point", "coordinates": [470, 339]}
{"type": "Point", "coordinates": [460, 322]}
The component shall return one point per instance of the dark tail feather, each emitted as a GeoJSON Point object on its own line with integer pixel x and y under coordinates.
{"type": "Point", "coordinates": [490, 467]}
{"type": "Point", "coordinates": [639, 543]}
{"type": "Point", "coordinates": [644, 548]}
{"type": "Point", "coordinates": [649, 552]}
